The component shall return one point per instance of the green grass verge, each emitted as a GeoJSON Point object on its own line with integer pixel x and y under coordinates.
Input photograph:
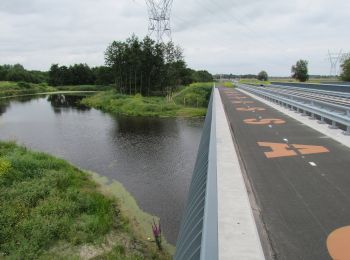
{"type": "Point", "coordinates": [50, 209]}
{"type": "Point", "coordinates": [191, 101]}
{"type": "Point", "coordinates": [254, 82]}
{"type": "Point", "coordinates": [8, 88]}
{"type": "Point", "coordinates": [228, 84]}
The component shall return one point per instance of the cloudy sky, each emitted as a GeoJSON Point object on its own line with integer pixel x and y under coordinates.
{"type": "Point", "coordinates": [222, 36]}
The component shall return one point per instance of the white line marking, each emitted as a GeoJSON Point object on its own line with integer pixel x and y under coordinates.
{"type": "Point", "coordinates": [313, 164]}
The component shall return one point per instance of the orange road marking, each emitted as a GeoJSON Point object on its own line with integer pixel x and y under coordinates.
{"type": "Point", "coordinates": [250, 109]}
{"type": "Point", "coordinates": [264, 121]}
{"type": "Point", "coordinates": [310, 149]}
{"type": "Point", "coordinates": [338, 244]}
{"type": "Point", "coordinates": [278, 150]}
{"type": "Point", "coordinates": [284, 150]}
{"type": "Point", "coordinates": [242, 102]}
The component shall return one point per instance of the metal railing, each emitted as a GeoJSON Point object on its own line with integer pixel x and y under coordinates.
{"type": "Point", "coordinates": [325, 110]}
{"type": "Point", "coordinates": [312, 90]}
{"type": "Point", "coordinates": [198, 236]}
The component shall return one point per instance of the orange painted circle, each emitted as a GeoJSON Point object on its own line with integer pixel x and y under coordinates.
{"type": "Point", "coordinates": [338, 244]}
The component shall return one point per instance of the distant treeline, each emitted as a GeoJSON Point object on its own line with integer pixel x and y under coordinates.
{"type": "Point", "coordinates": [253, 76]}
{"type": "Point", "coordinates": [79, 74]}
{"type": "Point", "coordinates": [18, 73]}
{"type": "Point", "coordinates": [232, 76]}
{"type": "Point", "coordinates": [132, 66]}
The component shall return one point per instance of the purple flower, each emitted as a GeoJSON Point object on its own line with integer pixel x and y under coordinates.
{"type": "Point", "coordinates": [157, 233]}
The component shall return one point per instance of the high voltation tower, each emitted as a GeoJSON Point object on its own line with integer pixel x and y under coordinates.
{"type": "Point", "coordinates": [334, 59]}
{"type": "Point", "coordinates": [159, 19]}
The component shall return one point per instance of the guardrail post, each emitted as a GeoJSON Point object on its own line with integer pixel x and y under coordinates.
{"type": "Point", "coordinates": [347, 132]}
{"type": "Point", "coordinates": [333, 126]}
{"type": "Point", "coordinates": [321, 121]}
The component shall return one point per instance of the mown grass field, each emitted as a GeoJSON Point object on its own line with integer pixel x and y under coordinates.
{"type": "Point", "coordinates": [191, 101]}
{"type": "Point", "coordinates": [8, 88]}
{"type": "Point", "coordinates": [50, 209]}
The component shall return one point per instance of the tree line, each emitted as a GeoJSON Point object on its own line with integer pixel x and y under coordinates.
{"type": "Point", "coordinates": [131, 66]}
{"type": "Point", "coordinates": [79, 74]}
{"type": "Point", "coordinates": [18, 73]}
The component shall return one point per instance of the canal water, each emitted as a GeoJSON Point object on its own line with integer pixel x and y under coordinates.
{"type": "Point", "coordinates": [152, 157]}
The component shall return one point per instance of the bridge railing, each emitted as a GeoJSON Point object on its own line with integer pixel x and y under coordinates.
{"type": "Point", "coordinates": [218, 222]}
{"type": "Point", "coordinates": [333, 112]}
{"type": "Point", "coordinates": [198, 237]}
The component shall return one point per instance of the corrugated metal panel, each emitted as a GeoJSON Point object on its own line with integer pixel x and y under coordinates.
{"type": "Point", "coordinates": [202, 201]}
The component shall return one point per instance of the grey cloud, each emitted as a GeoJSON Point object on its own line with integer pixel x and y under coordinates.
{"type": "Point", "coordinates": [221, 36]}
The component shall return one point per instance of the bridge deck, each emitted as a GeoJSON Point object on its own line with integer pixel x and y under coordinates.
{"type": "Point", "coordinates": [300, 178]}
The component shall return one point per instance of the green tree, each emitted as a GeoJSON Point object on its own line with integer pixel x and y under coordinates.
{"type": "Point", "coordinates": [300, 70]}
{"type": "Point", "coordinates": [103, 75]}
{"type": "Point", "coordinates": [345, 67]}
{"type": "Point", "coordinates": [263, 76]}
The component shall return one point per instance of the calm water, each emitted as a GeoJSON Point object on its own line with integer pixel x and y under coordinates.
{"type": "Point", "coordinates": [153, 158]}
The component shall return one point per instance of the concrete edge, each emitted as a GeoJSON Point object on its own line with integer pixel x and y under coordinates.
{"type": "Point", "coordinates": [238, 236]}
{"type": "Point", "coordinates": [335, 134]}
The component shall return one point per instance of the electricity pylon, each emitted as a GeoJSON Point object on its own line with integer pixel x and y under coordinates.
{"type": "Point", "coordinates": [334, 59]}
{"type": "Point", "coordinates": [159, 19]}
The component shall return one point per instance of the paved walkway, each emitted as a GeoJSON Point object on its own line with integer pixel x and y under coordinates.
{"type": "Point", "coordinates": [300, 179]}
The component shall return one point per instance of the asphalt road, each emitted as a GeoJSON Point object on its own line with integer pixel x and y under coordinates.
{"type": "Point", "coordinates": [300, 178]}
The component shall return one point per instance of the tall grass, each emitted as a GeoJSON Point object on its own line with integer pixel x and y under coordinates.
{"type": "Point", "coordinates": [45, 200]}
{"type": "Point", "coordinates": [195, 95]}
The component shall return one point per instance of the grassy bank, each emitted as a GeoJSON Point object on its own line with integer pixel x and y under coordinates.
{"type": "Point", "coordinates": [191, 101]}
{"type": "Point", "coordinates": [50, 209]}
{"type": "Point", "coordinates": [8, 88]}
{"type": "Point", "coordinates": [84, 88]}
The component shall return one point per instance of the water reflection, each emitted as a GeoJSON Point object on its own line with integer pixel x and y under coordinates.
{"type": "Point", "coordinates": [3, 106]}
{"type": "Point", "coordinates": [64, 101]}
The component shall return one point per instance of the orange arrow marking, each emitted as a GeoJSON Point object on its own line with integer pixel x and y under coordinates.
{"type": "Point", "coordinates": [250, 109]}
{"type": "Point", "coordinates": [338, 244]}
{"type": "Point", "coordinates": [264, 121]}
{"type": "Point", "coordinates": [310, 149]}
{"type": "Point", "coordinates": [278, 150]}
{"type": "Point", "coordinates": [285, 150]}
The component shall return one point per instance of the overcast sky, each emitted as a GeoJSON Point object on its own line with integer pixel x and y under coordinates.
{"type": "Point", "coordinates": [222, 36]}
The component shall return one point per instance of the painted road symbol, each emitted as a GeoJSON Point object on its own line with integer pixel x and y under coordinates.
{"type": "Point", "coordinates": [250, 109]}
{"type": "Point", "coordinates": [242, 102]}
{"type": "Point", "coordinates": [338, 244]}
{"type": "Point", "coordinates": [286, 150]}
{"type": "Point", "coordinates": [265, 121]}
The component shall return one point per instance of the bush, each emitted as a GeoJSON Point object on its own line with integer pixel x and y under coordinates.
{"type": "Point", "coordinates": [196, 95]}
{"type": "Point", "coordinates": [23, 84]}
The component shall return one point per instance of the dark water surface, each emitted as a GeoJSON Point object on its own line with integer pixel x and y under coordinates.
{"type": "Point", "coordinates": [152, 157]}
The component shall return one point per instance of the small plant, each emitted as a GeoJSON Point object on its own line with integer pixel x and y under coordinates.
{"type": "Point", "coordinates": [157, 233]}
{"type": "Point", "coordinates": [4, 166]}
